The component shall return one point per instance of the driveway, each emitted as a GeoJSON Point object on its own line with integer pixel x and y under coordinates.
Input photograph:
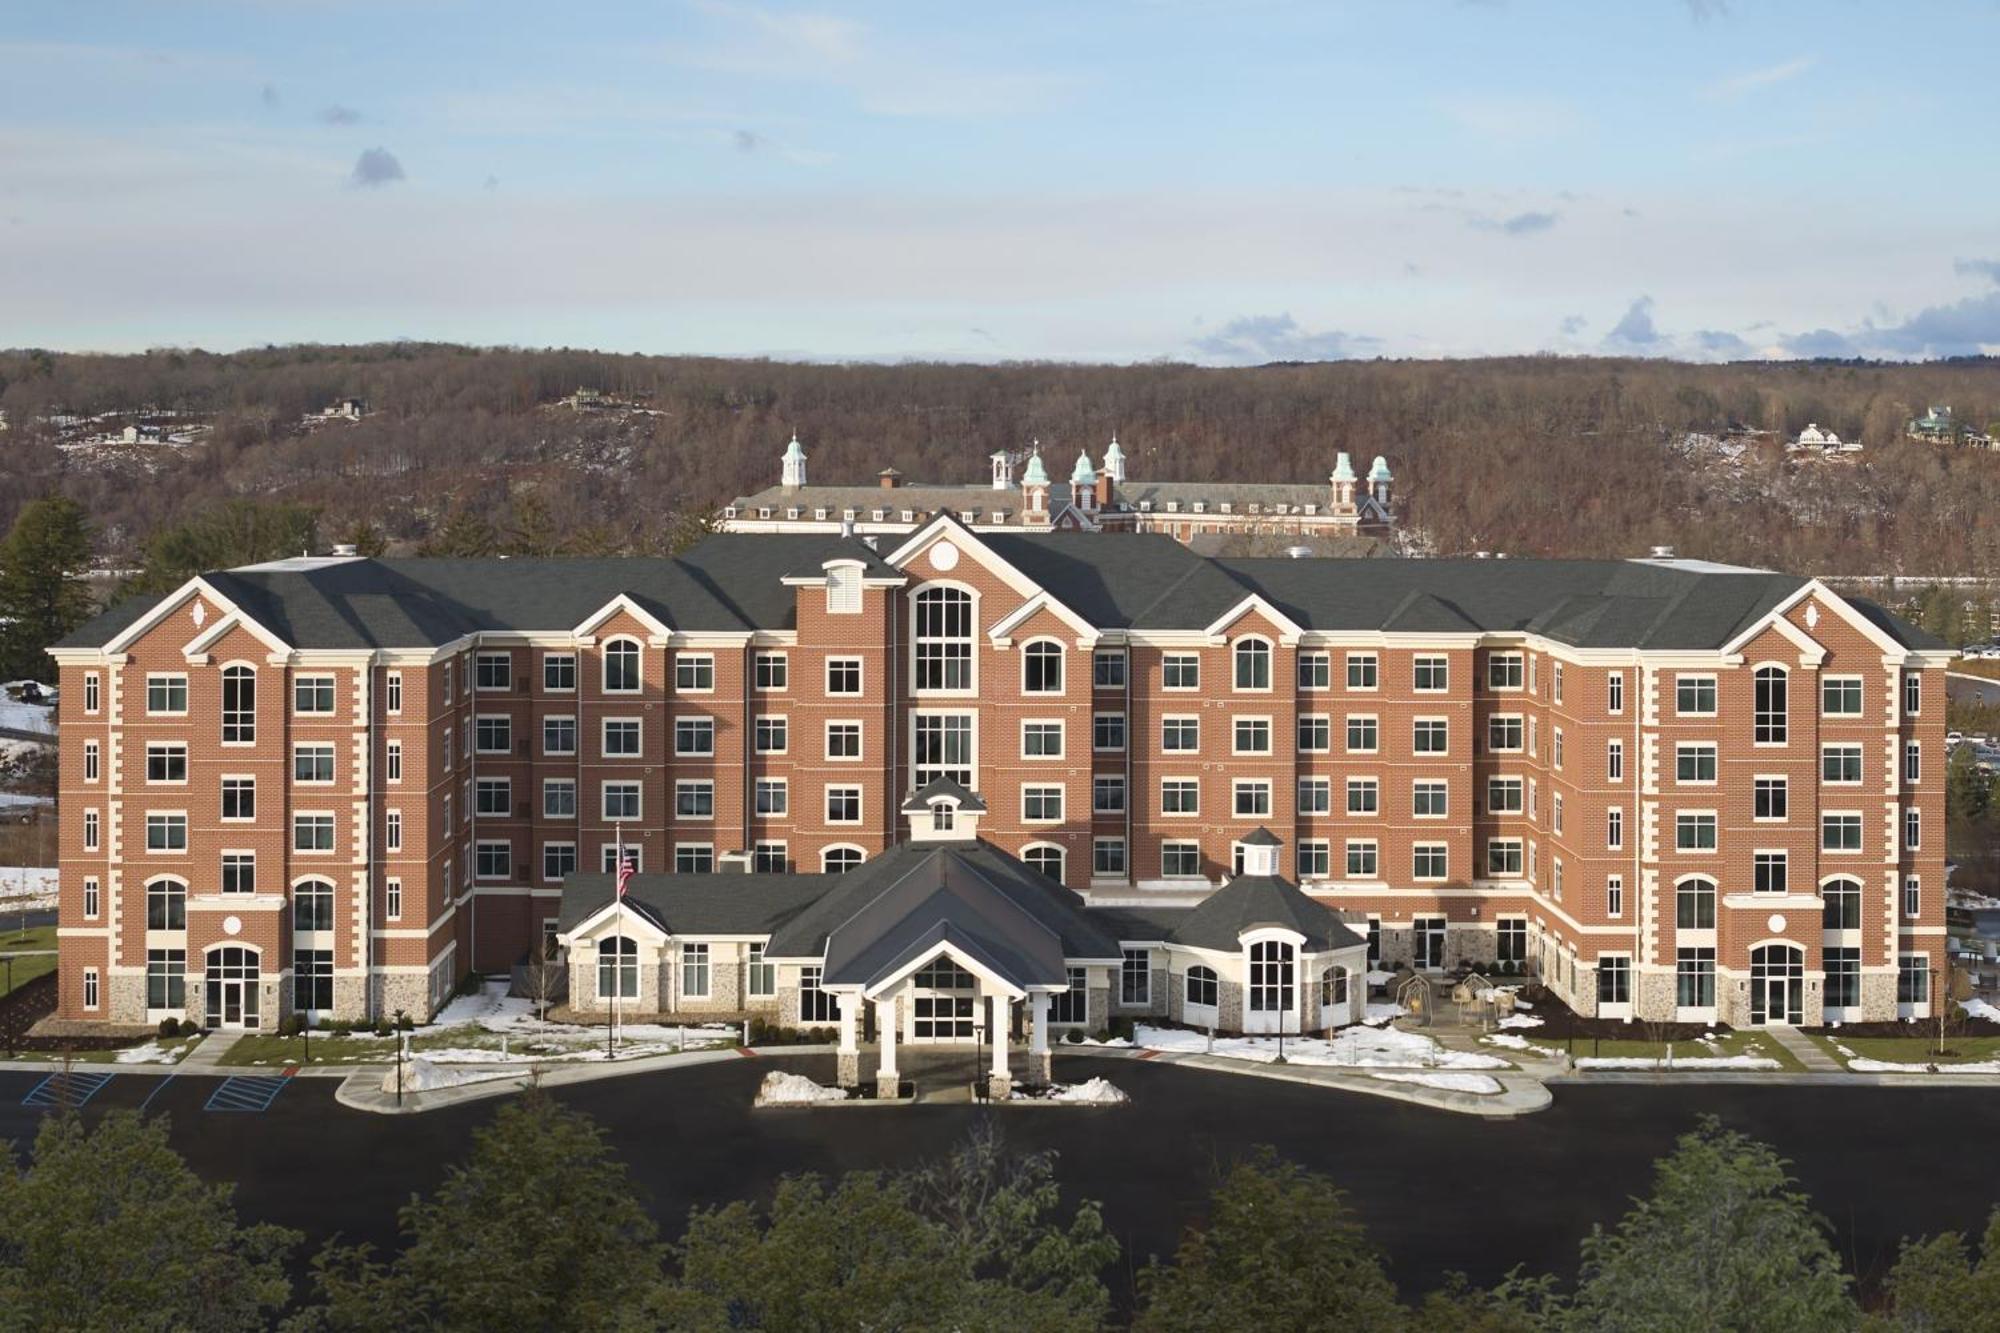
{"type": "Point", "coordinates": [1437, 1191]}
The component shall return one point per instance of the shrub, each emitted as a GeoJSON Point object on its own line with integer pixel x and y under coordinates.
{"type": "Point", "coordinates": [293, 1025]}
{"type": "Point", "coordinates": [170, 1027]}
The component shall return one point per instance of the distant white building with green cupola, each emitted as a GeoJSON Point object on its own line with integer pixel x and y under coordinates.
{"type": "Point", "coordinates": [1021, 495]}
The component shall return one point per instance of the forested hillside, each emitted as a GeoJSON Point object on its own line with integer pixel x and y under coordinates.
{"type": "Point", "coordinates": [1526, 455]}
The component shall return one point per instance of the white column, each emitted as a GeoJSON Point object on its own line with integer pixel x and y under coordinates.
{"type": "Point", "coordinates": [1038, 1023]}
{"type": "Point", "coordinates": [885, 1022]}
{"type": "Point", "coordinates": [849, 1004]}
{"type": "Point", "coordinates": [999, 1033]}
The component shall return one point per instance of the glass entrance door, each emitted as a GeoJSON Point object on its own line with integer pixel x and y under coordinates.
{"type": "Point", "coordinates": [944, 1003]}
{"type": "Point", "coordinates": [1273, 987]}
{"type": "Point", "coordinates": [231, 988]}
{"type": "Point", "coordinates": [1777, 985]}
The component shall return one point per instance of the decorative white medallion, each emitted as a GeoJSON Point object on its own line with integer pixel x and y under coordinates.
{"type": "Point", "coordinates": [1812, 615]}
{"type": "Point", "coordinates": [200, 614]}
{"type": "Point", "coordinates": [944, 556]}
{"type": "Point", "coordinates": [232, 925]}
{"type": "Point", "coordinates": [1776, 922]}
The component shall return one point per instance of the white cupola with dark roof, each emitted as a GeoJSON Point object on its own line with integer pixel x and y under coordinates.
{"type": "Point", "coordinates": [1003, 471]}
{"type": "Point", "coordinates": [1379, 481]}
{"type": "Point", "coordinates": [795, 465]}
{"type": "Point", "coordinates": [1114, 461]}
{"type": "Point", "coordinates": [1343, 484]}
{"type": "Point", "coordinates": [1083, 483]}
{"type": "Point", "coordinates": [1035, 483]}
{"type": "Point", "coordinates": [943, 810]}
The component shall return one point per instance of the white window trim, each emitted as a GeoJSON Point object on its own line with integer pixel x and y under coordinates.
{"type": "Point", "coordinates": [1237, 786]}
{"type": "Point", "coordinates": [1715, 760]}
{"type": "Point", "coordinates": [558, 783]}
{"type": "Point", "coordinates": [1424, 721]}
{"type": "Point", "coordinates": [1860, 688]}
{"type": "Point", "coordinates": [315, 747]}
{"type": "Point", "coordinates": [604, 787]}
{"type": "Point", "coordinates": [1695, 677]}
{"type": "Point", "coordinates": [481, 659]}
{"type": "Point", "coordinates": [1062, 740]}
{"type": "Point", "coordinates": [575, 668]}
{"type": "Point", "coordinates": [1443, 848]}
{"type": "Point", "coordinates": [694, 661]}
{"type": "Point", "coordinates": [292, 830]}
{"type": "Point", "coordinates": [1370, 781]}
{"type": "Point", "coordinates": [1348, 747]}
{"type": "Point", "coordinates": [860, 805]}
{"type": "Point", "coordinates": [1270, 736]}
{"type": "Point", "coordinates": [479, 745]}
{"type": "Point", "coordinates": [1785, 782]}
{"type": "Point", "coordinates": [1319, 720]}
{"type": "Point", "coordinates": [604, 725]}
{"type": "Point", "coordinates": [860, 733]}
{"type": "Point", "coordinates": [1715, 820]}
{"type": "Point", "coordinates": [1062, 800]}
{"type": "Point", "coordinates": [860, 666]}
{"type": "Point", "coordinates": [1176, 718]}
{"type": "Point", "coordinates": [1439, 659]}
{"type": "Point", "coordinates": [692, 785]}
{"type": "Point", "coordinates": [757, 728]}
{"type": "Point", "coordinates": [1270, 662]}
{"type": "Point", "coordinates": [604, 666]}
{"type": "Point", "coordinates": [167, 677]}
{"type": "Point", "coordinates": [1178, 814]}
{"type": "Point", "coordinates": [1062, 667]}
{"type": "Point", "coordinates": [1861, 823]}
{"type": "Point", "coordinates": [1444, 785]}
{"type": "Point", "coordinates": [1183, 658]}
{"type": "Point", "coordinates": [307, 677]}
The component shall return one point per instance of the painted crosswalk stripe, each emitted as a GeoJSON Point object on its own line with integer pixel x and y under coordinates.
{"type": "Point", "coordinates": [245, 1093]}
{"type": "Point", "coordinates": [70, 1090]}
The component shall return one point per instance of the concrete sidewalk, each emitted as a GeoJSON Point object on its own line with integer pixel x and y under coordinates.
{"type": "Point", "coordinates": [1521, 1093]}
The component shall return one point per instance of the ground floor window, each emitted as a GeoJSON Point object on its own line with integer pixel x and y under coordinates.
{"type": "Point", "coordinates": [1201, 987]}
{"type": "Point", "coordinates": [1047, 859]}
{"type": "Point", "coordinates": [815, 1005]}
{"type": "Point", "coordinates": [312, 980]}
{"type": "Point", "coordinates": [1179, 859]}
{"type": "Point", "coordinates": [762, 980]}
{"type": "Point", "coordinates": [166, 978]}
{"type": "Point", "coordinates": [90, 988]}
{"type": "Point", "coordinates": [1072, 1005]}
{"type": "Point", "coordinates": [1913, 979]}
{"type": "Point", "coordinates": [1333, 988]}
{"type": "Point", "coordinates": [1271, 977]}
{"type": "Point", "coordinates": [694, 971]}
{"type": "Point", "coordinates": [1427, 940]}
{"type": "Point", "coordinates": [1614, 981]}
{"type": "Point", "coordinates": [1694, 978]}
{"type": "Point", "coordinates": [1374, 940]}
{"type": "Point", "coordinates": [1513, 941]}
{"type": "Point", "coordinates": [1107, 856]}
{"type": "Point", "coordinates": [1843, 978]}
{"type": "Point", "coordinates": [618, 969]}
{"type": "Point", "coordinates": [1135, 977]}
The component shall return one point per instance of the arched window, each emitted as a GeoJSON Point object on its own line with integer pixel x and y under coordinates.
{"type": "Point", "coordinates": [1843, 904]}
{"type": "Point", "coordinates": [1333, 988]}
{"type": "Point", "coordinates": [943, 639]}
{"type": "Point", "coordinates": [166, 905]}
{"type": "Point", "coordinates": [239, 705]}
{"type": "Point", "coordinates": [839, 860]}
{"type": "Point", "coordinates": [1694, 904]}
{"type": "Point", "coordinates": [944, 816]}
{"type": "Point", "coordinates": [312, 905]}
{"type": "Point", "coordinates": [1777, 984]}
{"type": "Point", "coordinates": [1042, 668]}
{"type": "Point", "coordinates": [1771, 695]}
{"type": "Point", "coordinates": [618, 969]}
{"type": "Point", "coordinates": [1047, 859]}
{"type": "Point", "coordinates": [1201, 987]}
{"type": "Point", "coordinates": [621, 666]}
{"type": "Point", "coordinates": [1272, 977]}
{"type": "Point", "coordinates": [1253, 664]}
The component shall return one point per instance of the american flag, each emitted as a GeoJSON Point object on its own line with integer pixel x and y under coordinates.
{"type": "Point", "coordinates": [624, 874]}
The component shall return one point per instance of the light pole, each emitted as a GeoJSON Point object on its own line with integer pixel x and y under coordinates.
{"type": "Point", "coordinates": [400, 1015]}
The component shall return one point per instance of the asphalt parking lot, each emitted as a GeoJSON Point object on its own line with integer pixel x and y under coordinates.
{"type": "Point", "coordinates": [1438, 1191]}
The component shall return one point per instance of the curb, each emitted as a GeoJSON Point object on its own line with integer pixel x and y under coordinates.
{"type": "Point", "coordinates": [361, 1088]}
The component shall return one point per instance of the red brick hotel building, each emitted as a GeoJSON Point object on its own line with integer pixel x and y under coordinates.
{"type": "Point", "coordinates": [1673, 789]}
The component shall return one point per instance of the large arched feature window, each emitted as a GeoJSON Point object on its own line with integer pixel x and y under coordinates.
{"type": "Point", "coordinates": [1843, 904]}
{"type": "Point", "coordinates": [1201, 987]}
{"type": "Point", "coordinates": [312, 905]}
{"type": "Point", "coordinates": [1772, 707]}
{"type": "Point", "coordinates": [239, 705]}
{"type": "Point", "coordinates": [1694, 904]}
{"type": "Point", "coordinates": [166, 904]}
{"type": "Point", "coordinates": [621, 666]}
{"type": "Point", "coordinates": [618, 968]}
{"type": "Point", "coordinates": [1253, 664]}
{"type": "Point", "coordinates": [1273, 977]}
{"type": "Point", "coordinates": [1042, 667]}
{"type": "Point", "coordinates": [839, 860]}
{"type": "Point", "coordinates": [943, 639]}
{"type": "Point", "coordinates": [1047, 858]}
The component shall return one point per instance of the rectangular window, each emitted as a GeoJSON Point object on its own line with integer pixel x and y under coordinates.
{"type": "Point", "coordinates": [1041, 805]}
{"type": "Point", "coordinates": [1913, 979]}
{"type": "Point", "coordinates": [1504, 734]}
{"type": "Point", "coordinates": [312, 763]}
{"type": "Point", "coordinates": [1363, 736]}
{"type": "Point", "coordinates": [1180, 735]}
{"type": "Point", "coordinates": [1913, 898]}
{"type": "Point", "coordinates": [1614, 829]}
{"type": "Point", "coordinates": [1770, 799]}
{"type": "Point", "coordinates": [1429, 800]}
{"type": "Point", "coordinates": [773, 734]}
{"type": "Point", "coordinates": [1107, 856]}
{"type": "Point", "coordinates": [1840, 696]}
{"type": "Point", "coordinates": [694, 798]}
{"type": "Point", "coordinates": [239, 872]}
{"type": "Point", "coordinates": [312, 833]}
{"type": "Point", "coordinates": [91, 694]}
{"type": "Point", "coordinates": [1614, 761]}
{"type": "Point", "coordinates": [1614, 895]}
{"type": "Point", "coordinates": [392, 692]}
{"type": "Point", "coordinates": [1913, 828]}
{"type": "Point", "coordinates": [761, 980]}
{"type": "Point", "coordinates": [843, 740]}
{"type": "Point", "coordinates": [1041, 740]}
{"type": "Point", "coordinates": [1614, 692]}
{"type": "Point", "coordinates": [1107, 732]}
{"type": "Point", "coordinates": [1694, 831]}
{"type": "Point", "coordinates": [495, 798]}
{"type": "Point", "coordinates": [1430, 735]}
{"type": "Point", "coordinates": [1843, 977]}
{"type": "Point", "coordinates": [392, 830]}
{"type": "Point", "coordinates": [493, 734]}
{"type": "Point", "coordinates": [621, 800]}
{"type": "Point", "coordinates": [1694, 978]}
{"type": "Point", "coordinates": [1913, 763]}
{"type": "Point", "coordinates": [1107, 669]}
{"type": "Point", "coordinates": [493, 860]}
{"type": "Point", "coordinates": [558, 673]}
{"type": "Point", "coordinates": [1840, 764]}
{"type": "Point", "coordinates": [770, 858]}
{"type": "Point", "coordinates": [1429, 860]}
{"type": "Point", "coordinates": [1503, 856]}
{"type": "Point", "coordinates": [1135, 977]}
{"type": "Point", "coordinates": [843, 675]}
{"type": "Point", "coordinates": [1556, 748]}
{"type": "Point", "coordinates": [92, 898]}
{"type": "Point", "coordinates": [1840, 832]}
{"type": "Point", "coordinates": [166, 832]}
{"type": "Point", "coordinates": [1315, 733]}
{"type": "Point", "coordinates": [1252, 797]}
{"type": "Point", "coordinates": [1614, 981]}
{"type": "Point", "coordinates": [495, 671]}
{"type": "Point", "coordinates": [1315, 858]}
{"type": "Point", "coordinates": [166, 694]}
{"type": "Point", "coordinates": [694, 971]}
{"type": "Point", "coordinates": [1556, 681]}
{"type": "Point", "coordinates": [1252, 735]}
{"type": "Point", "coordinates": [1364, 796]}
{"type": "Point", "coordinates": [1694, 764]}
{"type": "Point", "coordinates": [1913, 694]}
{"type": "Point", "coordinates": [769, 671]}
{"type": "Point", "coordinates": [558, 861]}
{"type": "Point", "coordinates": [312, 695]}
{"type": "Point", "coordinates": [1503, 796]}
{"type": "Point", "coordinates": [1364, 671]}
{"type": "Point", "coordinates": [1315, 671]}
{"type": "Point", "coordinates": [239, 706]}
{"type": "Point", "coordinates": [166, 979]}
{"type": "Point", "coordinates": [1107, 794]}
{"type": "Point", "coordinates": [1694, 696]}
{"type": "Point", "coordinates": [166, 761]}
{"type": "Point", "coordinates": [1513, 940]}
{"type": "Point", "coordinates": [773, 798]}
{"type": "Point", "coordinates": [1180, 671]}
{"type": "Point", "coordinates": [1315, 796]}
{"type": "Point", "coordinates": [694, 672]}
{"type": "Point", "coordinates": [1361, 863]}
{"type": "Point", "coordinates": [1180, 860]}
{"type": "Point", "coordinates": [815, 1005]}
{"type": "Point", "coordinates": [621, 739]}
{"type": "Point", "coordinates": [392, 761]}
{"type": "Point", "coordinates": [1770, 872]}
{"type": "Point", "coordinates": [1503, 671]}
{"type": "Point", "coordinates": [558, 735]}
{"type": "Point", "coordinates": [694, 735]}
{"type": "Point", "coordinates": [1432, 674]}
{"type": "Point", "coordinates": [90, 761]}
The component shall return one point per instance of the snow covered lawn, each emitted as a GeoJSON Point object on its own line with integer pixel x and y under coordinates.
{"type": "Point", "coordinates": [1921, 1060]}
{"type": "Point", "coordinates": [1678, 1062]}
{"type": "Point", "coordinates": [1351, 1047]}
{"type": "Point", "coordinates": [32, 718]}
{"type": "Point", "coordinates": [422, 1075]}
{"type": "Point", "coordinates": [27, 888]}
{"type": "Point", "coordinates": [782, 1089]}
{"type": "Point", "coordinates": [1483, 1084]}
{"type": "Point", "coordinates": [1513, 1042]}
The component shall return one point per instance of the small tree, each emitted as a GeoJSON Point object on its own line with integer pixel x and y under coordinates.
{"type": "Point", "coordinates": [1280, 1249]}
{"type": "Point", "coordinates": [1937, 1286]}
{"type": "Point", "coordinates": [1724, 1241]}
{"type": "Point", "coordinates": [108, 1228]}
{"type": "Point", "coordinates": [43, 595]}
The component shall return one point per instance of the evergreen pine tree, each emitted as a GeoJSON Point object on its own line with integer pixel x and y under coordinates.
{"type": "Point", "coordinates": [42, 591]}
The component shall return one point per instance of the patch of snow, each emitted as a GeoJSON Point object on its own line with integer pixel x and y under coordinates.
{"type": "Point", "coordinates": [1517, 1043]}
{"type": "Point", "coordinates": [782, 1089]}
{"type": "Point", "coordinates": [1383, 1013]}
{"type": "Point", "coordinates": [1377, 978]}
{"type": "Point", "coordinates": [421, 1074]}
{"type": "Point", "coordinates": [1978, 1008]}
{"type": "Point", "coordinates": [1351, 1047]}
{"type": "Point", "coordinates": [1864, 1065]}
{"type": "Point", "coordinates": [1092, 1092]}
{"type": "Point", "coordinates": [152, 1053]}
{"type": "Point", "coordinates": [32, 718]}
{"type": "Point", "coordinates": [27, 888]}
{"type": "Point", "coordinates": [1483, 1084]}
{"type": "Point", "coordinates": [492, 1010]}
{"type": "Point", "coordinates": [1108, 1041]}
{"type": "Point", "coordinates": [1519, 1021]}
{"type": "Point", "coordinates": [1678, 1062]}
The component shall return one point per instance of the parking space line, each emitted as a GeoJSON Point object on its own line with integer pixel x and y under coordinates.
{"type": "Point", "coordinates": [245, 1093]}
{"type": "Point", "coordinates": [68, 1089]}
{"type": "Point", "coordinates": [158, 1088]}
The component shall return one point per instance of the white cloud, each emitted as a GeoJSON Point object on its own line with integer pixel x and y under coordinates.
{"type": "Point", "coordinates": [1735, 87]}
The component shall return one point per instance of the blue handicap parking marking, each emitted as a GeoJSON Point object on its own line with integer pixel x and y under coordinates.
{"type": "Point", "coordinates": [70, 1089]}
{"type": "Point", "coordinates": [245, 1093]}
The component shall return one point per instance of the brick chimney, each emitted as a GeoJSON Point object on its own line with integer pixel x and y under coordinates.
{"type": "Point", "coordinates": [890, 478]}
{"type": "Point", "coordinates": [1103, 491]}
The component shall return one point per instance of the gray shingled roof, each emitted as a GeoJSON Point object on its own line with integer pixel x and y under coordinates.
{"type": "Point", "coordinates": [713, 904]}
{"type": "Point", "coordinates": [1251, 901]}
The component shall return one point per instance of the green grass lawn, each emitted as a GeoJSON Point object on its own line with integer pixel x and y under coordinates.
{"type": "Point", "coordinates": [1918, 1050]}
{"type": "Point", "coordinates": [262, 1048]}
{"type": "Point", "coordinates": [27, 969]}
{"type": "Point", "coordinates": [181, 1044]}
{"type": "Point", "coordinates": [1725, 1044]}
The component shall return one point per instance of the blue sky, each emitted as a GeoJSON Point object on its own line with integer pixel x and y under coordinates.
{"type": "Point", "coordinates": [1092, 180]}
